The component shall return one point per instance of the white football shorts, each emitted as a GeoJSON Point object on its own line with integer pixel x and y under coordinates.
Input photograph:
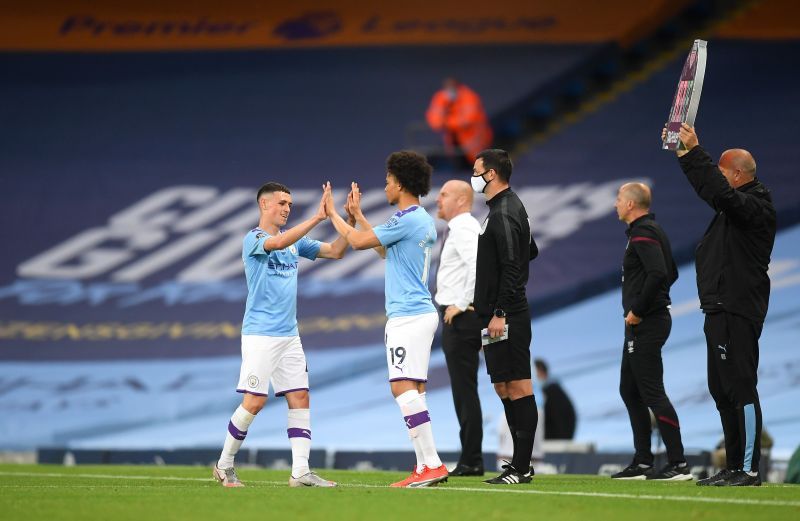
{"type": "Point", "coordinates": [272, 359]}
{"type": "Point", "coordinates": [408, 346]}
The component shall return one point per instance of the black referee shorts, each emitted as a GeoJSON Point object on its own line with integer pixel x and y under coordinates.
{"type": "Point", "coordinates": [510, 359]}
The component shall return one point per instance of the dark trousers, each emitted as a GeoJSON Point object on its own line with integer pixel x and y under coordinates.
{"type": "Point", "coordinates": [732, 349]}
{"type": "Point", "coordinates": [641, 386]}
{"type": "Point", "coordinates": [461, 343]}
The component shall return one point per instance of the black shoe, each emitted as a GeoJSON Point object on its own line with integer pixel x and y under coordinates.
{"type": "Point", "coordinates": [466, 470]}
{"type": "Point", "coordinates": [511, 476]}
{"type": "Point", "coordinates": [719, 476]}
{"type": "Point", "coordinates": [672, 473]}
{"type": "Point", "coordinates": [633, 471]}
{"type": "Point", "coordinates": [740, 478]}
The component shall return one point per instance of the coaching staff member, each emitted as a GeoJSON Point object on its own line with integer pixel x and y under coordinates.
{"type": "Point", "coordinates": [505, 248]}
{"type": "Point", "coordinates": [732, 281]}
{"type": "Point", "coordinates": [461, 333]}
{"type": "Point", "coordinates": [648, 272]}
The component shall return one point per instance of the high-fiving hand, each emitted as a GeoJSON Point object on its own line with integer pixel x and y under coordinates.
{"type": "Point", "coordinates": [354, 200]}
{"type": "Point", "coordinates": [348, 204]}
{"type": "Point", "coordinates": [326, 203]}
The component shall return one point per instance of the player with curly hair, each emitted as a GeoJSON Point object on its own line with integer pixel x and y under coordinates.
{"type": "Point", "coordinates": [405, 241]}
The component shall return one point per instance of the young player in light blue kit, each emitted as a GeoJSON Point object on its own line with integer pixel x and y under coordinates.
{"type": "Point", "coordinates": [405, 241]}
{"type": "Point", "coordinates": [271, 348]}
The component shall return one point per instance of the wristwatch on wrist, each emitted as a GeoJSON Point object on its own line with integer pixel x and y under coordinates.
{"type": "Point", "coordinates": [499, 313]}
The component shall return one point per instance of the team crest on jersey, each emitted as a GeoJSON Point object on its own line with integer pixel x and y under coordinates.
{"type": "Point", "coordinates": [259, 235]}
{"type": "Point", "coordinates": [293, 249]}
{"type": "Point", "coordinates": [252, 381]}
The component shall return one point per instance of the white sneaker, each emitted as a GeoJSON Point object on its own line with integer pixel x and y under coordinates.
{"type": "Point", "coordinates": [227, 477]}
{"type": "Point", "coordinates": [310, 479]}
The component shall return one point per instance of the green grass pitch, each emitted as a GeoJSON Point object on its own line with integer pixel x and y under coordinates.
{"type": "Point", "coordinates": [145, 493]}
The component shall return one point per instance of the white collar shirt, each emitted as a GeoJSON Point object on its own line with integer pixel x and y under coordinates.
{"type": "Point", "coordinates": [455, 278]}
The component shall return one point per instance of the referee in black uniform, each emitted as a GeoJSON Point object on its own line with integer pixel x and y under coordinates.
{"type": "Point", "coordinates": [732, 281]}
{"type": "Point", "coordinates": [648, 272]}
{"type": "Point", "coordinates": [505, 249]}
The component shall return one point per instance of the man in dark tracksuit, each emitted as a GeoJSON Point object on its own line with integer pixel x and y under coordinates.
{"type": "Point", "coordinates": [648, 272]}
{"type": "Point", "coordinates": [505, 249]}
{"type": "Point", "coordinates": [732, 281]}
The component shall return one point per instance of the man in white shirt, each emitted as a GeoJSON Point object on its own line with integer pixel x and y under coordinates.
{"type": "Point", "coordinates": [461, 336]}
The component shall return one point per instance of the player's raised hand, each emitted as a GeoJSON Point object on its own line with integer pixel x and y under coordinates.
{"type": "Point", "coordinates": [326, 203]}
{"type": "Point", "coordinates": [348, 210]}
{"type": "Point", "coordinates": [688, 137]}
{"type": "Point", "coordinates": [355, 199]}
{"type": "Point", "coordinates": [348, 205]}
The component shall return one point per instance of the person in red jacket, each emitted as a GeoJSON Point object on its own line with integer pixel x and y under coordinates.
{"type": "Point", "coordinates": [457, 112]}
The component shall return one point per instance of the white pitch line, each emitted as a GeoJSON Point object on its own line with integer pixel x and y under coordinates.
{"type": "Point", "coordinates": [98, 476]}
{"type": "Point", "coordinates": [84, 487]}
{"type": "Point", "coordinates": [647, 497]}
{"type": "Point", "coordinates": [605, 495]}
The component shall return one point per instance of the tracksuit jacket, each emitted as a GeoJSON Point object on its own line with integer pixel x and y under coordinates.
{"type": "Point", "coordinates": [733, 256]}
{"type": "Point", "coordinates": [648, 270]}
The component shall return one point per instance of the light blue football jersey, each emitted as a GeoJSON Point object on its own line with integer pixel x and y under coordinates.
{"type": "Point", "coordinates": [271, 308]}
{"type": "Point", "coordinates": [408, 236]}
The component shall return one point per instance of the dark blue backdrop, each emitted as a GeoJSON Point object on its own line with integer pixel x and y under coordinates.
{"type": "Point", "coordinates": [87, 137]}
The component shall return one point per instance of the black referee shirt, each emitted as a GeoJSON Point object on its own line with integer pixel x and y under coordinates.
{"type": "Point", "coordinates": [505, 249]}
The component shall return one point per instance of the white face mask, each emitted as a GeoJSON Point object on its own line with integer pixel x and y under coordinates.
{"type": "Point", "coordinates": [478, 183]}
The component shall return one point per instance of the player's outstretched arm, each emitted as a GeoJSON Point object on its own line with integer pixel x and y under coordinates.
{"type": "Point", "coordinates": [294, 234]}
{"type": "Point", "coordinates": [358, 239]}
{"type": "Point", "coordinates": [337, 248]}
{"type": "Point", "coordinates": [354, 209]}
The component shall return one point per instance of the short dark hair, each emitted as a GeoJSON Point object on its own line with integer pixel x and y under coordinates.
{"type": "Point", "coordinates": [268, 188]}
{"type": "Point", "coordinates": [411, 170]}
{"type": "Point", "coordinates": [540, 365]}
{"type": "Point", "coordinates": [497, 160]}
